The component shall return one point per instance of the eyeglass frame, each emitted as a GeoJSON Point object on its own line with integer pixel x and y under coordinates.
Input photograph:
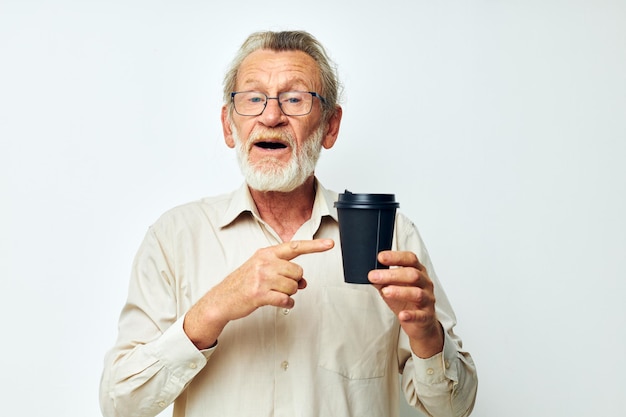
{"type": "Point", "coordinates": [268, 98]}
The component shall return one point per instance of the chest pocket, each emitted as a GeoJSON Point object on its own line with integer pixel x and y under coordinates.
{"type": "Point", "coordinates": [359, 333]}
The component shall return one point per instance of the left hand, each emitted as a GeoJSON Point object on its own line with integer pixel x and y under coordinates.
{"type": "Point", "coordinates": [409, 292]}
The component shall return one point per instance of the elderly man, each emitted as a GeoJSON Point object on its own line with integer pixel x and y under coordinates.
{"type": "Point", "coordinates": [237, 304]}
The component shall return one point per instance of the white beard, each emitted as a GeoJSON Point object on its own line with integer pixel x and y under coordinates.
{"type": "Point", "coordinates": [270, 174]}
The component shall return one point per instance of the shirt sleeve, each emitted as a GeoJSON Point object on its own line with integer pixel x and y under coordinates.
{"type": "Point", "coordinates": [446, 383]}
{"type": "Point", "coordinates": [153, 360]}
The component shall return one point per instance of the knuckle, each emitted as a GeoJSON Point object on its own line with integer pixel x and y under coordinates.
{"type": "Point", "coordinates": [413, 275]}
{"type": "Point", "coordinates": [293, 288]}
{"type": "Point", "coordinates": [424, 318]}
{"type": "Point", "coordinates": [419, 297]}
{"type": "Point", "coordinates": [262, 253]}
{"type": "Point", "coordinates": [298, 271]}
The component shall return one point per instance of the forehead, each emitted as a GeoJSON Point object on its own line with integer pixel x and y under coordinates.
{"type": "Point", "coordinates": [278, 69]}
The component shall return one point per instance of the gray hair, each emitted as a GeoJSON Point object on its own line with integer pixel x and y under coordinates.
{"type": "Point", "coordinates": [289, 41]}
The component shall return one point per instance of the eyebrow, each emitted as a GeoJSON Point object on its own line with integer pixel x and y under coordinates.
{"type": "Point", "coordinates": [290, 83]}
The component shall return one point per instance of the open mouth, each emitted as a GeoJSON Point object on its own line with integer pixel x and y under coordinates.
{"type": "Point", "coordinates": [270, 145]}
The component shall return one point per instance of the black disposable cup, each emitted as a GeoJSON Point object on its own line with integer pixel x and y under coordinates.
{"type": "Point", "coordinates": [366, 224]}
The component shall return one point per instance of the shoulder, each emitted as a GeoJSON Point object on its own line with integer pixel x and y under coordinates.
{"type": "Point", "coordinates": [407, 234]}
{"type": "Point", "coordinates": [207, 210]}
{"type": "Point", "coordinates": [405, 225]}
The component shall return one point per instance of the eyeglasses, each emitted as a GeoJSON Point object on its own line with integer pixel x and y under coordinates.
{"type": "Point", "coordinates": [292, 103]}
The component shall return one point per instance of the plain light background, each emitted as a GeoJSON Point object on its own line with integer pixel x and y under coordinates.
{"type": "Point", "coordinates": [499, 125]}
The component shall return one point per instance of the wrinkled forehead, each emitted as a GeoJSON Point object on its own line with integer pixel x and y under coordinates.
{"type": "Point", "coordinates": [278, 70]}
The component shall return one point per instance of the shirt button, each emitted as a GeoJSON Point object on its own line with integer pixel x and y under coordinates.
{"type": "Point", "coordinates": [286, 311]}
{"type": "Point", "coordinates": [430, 371]}
{"type": "Point", "coordinates": [284, 365]}
{"type": "Point", "coordinates": [192, 365]}
{"type": "Point", "coordinates": [162, 404]}
{"type": "Point", "coordinates": [447, 363]}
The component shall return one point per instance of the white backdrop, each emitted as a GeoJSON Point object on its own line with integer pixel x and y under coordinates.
{"type": "Point", "coordinates": [500, 126]}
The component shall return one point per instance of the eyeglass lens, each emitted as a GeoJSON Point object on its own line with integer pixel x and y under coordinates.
{"type": "Point", "coordinates": [292, 103]}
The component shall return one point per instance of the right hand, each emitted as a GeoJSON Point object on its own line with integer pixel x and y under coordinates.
{"type": "Point", "coordinates": [267, 278]}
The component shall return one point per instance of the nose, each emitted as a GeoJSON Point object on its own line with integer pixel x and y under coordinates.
{"type": "Point", "coordinates": [272, 114]}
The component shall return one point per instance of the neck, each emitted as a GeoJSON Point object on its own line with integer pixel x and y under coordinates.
{"type": "Point", "coordinates": [286, 212]}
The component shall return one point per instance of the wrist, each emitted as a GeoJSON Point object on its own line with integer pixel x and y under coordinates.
{"type": "Point", "coordinates": [429, 343]}
{"type": "Point", "coordinates": [201, 328]}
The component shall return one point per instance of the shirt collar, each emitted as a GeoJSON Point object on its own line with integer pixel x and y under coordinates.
{"type": "Point", "coordinates": [324, 201]}
{"type": "Point", "coordinates": [242, 202]}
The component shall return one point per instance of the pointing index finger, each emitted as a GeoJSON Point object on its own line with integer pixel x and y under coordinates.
{"type": "Point", "coordinates": [295, 248]}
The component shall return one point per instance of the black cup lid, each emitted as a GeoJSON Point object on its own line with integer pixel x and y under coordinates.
{"type": "Point", "coordinates": [368, 201]}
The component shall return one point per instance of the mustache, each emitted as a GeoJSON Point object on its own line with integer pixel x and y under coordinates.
{"type": "Point", "coordinates": [265, 135]}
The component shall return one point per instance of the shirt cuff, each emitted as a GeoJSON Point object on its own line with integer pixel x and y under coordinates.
{"type": "Point", "coordinates": [439, 367]}
{"type": "Point", "coordinates": [177, 353]}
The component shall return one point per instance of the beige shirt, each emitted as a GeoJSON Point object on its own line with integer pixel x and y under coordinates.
{"type": "Point", "coordinates": [338, 352]}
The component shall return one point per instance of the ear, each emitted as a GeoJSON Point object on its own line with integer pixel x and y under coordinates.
{"type": "Point", "coordinates": [333, 128]}
{"type": "Point", "coordinates": [226, 128]}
